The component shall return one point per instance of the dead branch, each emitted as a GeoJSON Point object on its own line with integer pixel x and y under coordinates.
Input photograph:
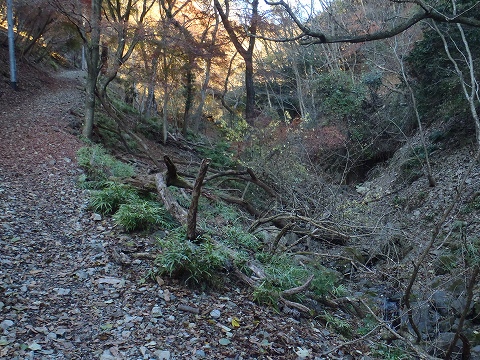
{"type": "Point", "coordinates": [172, 178]}
{"type": "Point", "coordinates": [279, 236]}
{"type": "Point", "coordinates": [250, 282]}
{"type": "Point", "coordinates": [298, 289]}
{"type": "Point", "coordinates": [243, 203]}
{"type": "Point", "coordinates": [320, 232]}
{"type": "Point", "coordinates": [143, 184]}
{"type": "Point", "coordinates": [192, 211]}
{"type": "Point", "coordinates": [143, 255]}
{"type": "Point", "coordinates": [225, 173]}
{"type": "Point", "coordinates": [262, 185]}
{"type": "Point", "coordinates": [189, 309]}
{"type": "Point", "coordinates": [295, 305]}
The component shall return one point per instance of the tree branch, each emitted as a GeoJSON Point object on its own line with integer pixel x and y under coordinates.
{"type": "Point", "coordinates": [319, 37]}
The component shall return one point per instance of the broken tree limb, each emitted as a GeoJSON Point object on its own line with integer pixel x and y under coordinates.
{"type": "Point", "coordinates": [246, 205]}
{"type": "Point", "coordinates": [171, 205]}
{"type": "Point", "coordinates": [192, 211]}
{"type": "Point", "coordinates": [298, 289]}
{"type": "Point", "coordinates": [295, 305]}
{"type": "Point", "coordinates": [320, 231]}
{"type": "Point", "coordinates": [282, 233]}
{"type": "Point", "coordinates": [294, 291]}
{"type": "Point", "coordinates": [262, 185]}
{"type": "Point", "coordinates": [172, 178]}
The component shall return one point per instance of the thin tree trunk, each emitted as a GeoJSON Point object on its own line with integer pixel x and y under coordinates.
{"type": "Point", "coordinates": [431, 179]}
{"type": "Point", "coordinates": [189, 94]}
{"type": "Point", "coordinates": [93, 56]}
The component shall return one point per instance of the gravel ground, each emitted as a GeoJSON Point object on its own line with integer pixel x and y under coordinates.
{"type": "Point", "coordinates": [63, 295]}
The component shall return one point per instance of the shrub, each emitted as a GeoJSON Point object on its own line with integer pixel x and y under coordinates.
{"type": "Point", "coordinates": [220, 154]}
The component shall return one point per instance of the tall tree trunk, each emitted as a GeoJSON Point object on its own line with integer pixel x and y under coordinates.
{"type": "Point", "coordinates": [150, 106]}
{"type": "Point", "coordinates": [93, 56]}
{"type": "Point", "coordinates": [246, 54]}
{"type": "Point", "coordinates": [188, 94]}
{"type": "Point", "coordinates": [299, 88]}
{"type": "Point", "coordinates": [250, 112]}
{"type": "Point", "coordinates": [206, 80]}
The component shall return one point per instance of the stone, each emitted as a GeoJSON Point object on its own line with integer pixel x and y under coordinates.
{"type": "Point", "coordinates": [215, 313]}
{"type": "Point", "coordinates": [5, 324]}
{"type": "Point", "coordinates": [163, 354]}
{"type": "Point", "coordinates": [440, 299]}
{"type": "Point", "coordinates": [200, 353]}
{"type": "Point", "coordinates": [157, 311]}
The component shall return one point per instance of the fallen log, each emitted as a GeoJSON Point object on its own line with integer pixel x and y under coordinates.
{"type": "Point", "coordinates": [171, 205]}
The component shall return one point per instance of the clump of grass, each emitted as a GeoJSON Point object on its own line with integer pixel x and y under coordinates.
{"type": "Point", "coordinates": [142, 214]}
{"type": "Point", "coordinates": [109, 199]}
{"type": "Point", "coordinates": [99, 165]}
{"type": "Point", "coordinates": [283, 273]}
{"type": "Point", "coordinates": [197, 263]}
{"type": "Point", "coordinates": [339, 325]}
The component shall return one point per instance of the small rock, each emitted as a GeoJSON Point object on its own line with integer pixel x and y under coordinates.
{"type": "Point", "coordinates": [107, 355]}
{"type": "Point", "coordinates": [5, 324]}
{"type": "Point", "coordinates": [162, 354]}
{"type": "Point", "coordinates": [157, 311]}
{"type": "Point", "coordinates": [62, 291]}
{"type": "Point", "coordinates": [96, 217]}
{"type": "Point", "coordinates": [215, 313]}
{"type": "Point", "coordinates": [34, 346]}
{"type": "Point", "coordinates": [200, 353]}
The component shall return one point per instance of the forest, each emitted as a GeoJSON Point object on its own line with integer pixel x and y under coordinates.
{"type": "Point", "coordinates": [323, 155]}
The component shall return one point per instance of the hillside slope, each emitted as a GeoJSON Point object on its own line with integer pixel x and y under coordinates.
{"type": "Point", "coordinates": [63, 293]}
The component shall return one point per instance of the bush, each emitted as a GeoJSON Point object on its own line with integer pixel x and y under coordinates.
{"type": "Point", "coordinates": [220, 154]}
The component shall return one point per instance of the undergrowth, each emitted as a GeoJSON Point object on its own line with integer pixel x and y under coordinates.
{"type": "Point", "coordinates": [99, 166]}
{"type": "Point", "coordinates": [109, 197]}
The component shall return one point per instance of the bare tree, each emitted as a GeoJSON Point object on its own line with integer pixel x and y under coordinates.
{"type": "Point", "coordinates": [125, 20]}
{"type": "Point", "coordinates": [420, 10]}
{"type": "Point", "coordinates": [246, 52]}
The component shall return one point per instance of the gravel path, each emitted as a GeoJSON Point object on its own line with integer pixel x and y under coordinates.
{"type": "Point", "coordinates": [62, 295]}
